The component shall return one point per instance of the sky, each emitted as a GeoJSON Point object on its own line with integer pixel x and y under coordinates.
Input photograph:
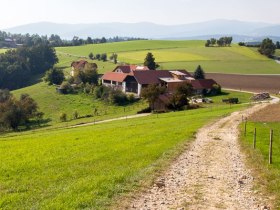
{"type": "Point", "coordinates": [167, 12]}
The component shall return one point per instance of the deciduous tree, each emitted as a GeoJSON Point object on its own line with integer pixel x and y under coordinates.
{"type": "Point", "coordinates": [267, 47]}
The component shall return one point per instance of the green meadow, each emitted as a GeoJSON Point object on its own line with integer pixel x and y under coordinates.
{"type": "Point", "coordinates": [182, 55]}
{"type": "Point", "coordinates": [90, 167]}
{"type": "Point", "coordinates": [53, 104]}
{"type": "Point", "coordinates": [259, 157]}
{"type": "Point", "coordinates": [3, 50]}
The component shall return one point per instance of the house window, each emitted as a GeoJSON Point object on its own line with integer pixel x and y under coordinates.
{"type": "Point", "coordinates": [107, 81]}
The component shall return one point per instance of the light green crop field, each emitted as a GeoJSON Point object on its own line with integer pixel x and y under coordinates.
{"type": "Point", "coordinates": [53, 104]}
{"type": "Point", "coordinates": [259, 157]}
{"type": "Point", "coordinates": [89, 167]}
{"type": "Point", "coordinates": [184, 55]}
{"type": "Point", "coordinates": [3, 50]}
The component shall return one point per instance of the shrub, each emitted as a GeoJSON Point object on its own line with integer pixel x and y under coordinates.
{"type": "Point", "coordinates": [75, 115]}
{"type": "Point", "coordinates": [117, 97]}
{"type": "Point", "coordinates": [216, 89]}
{"type": "Point", "coordinates": [145, 110]}
{"type": "Point", "coordinates": [131, 98]}
{"type": "Point", "coordinates": [63, 117]}
{"type": "Point", "coordinates": [54, 76]}
{"type": "Point", "coordinates": [101, 92]}
{"type": "Point", "coordinates": [67, 87]}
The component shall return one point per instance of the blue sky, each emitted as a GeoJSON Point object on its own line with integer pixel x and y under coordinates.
{"type": "Point", "coordinates": [168, 12]}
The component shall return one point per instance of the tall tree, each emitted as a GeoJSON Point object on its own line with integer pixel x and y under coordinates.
{"type": "Point", "coordinates": [199, 73]}
{"type": "Point", "coordinates": [150, 62]}
{"type": "Point", "coordinates": [267, 47]}
{"type": "Point", "coordinates": [54, 76]}
{"type": "Point", "coordinates": [213, 41]}
{"type": "Point", "coordinates": [89, 74]}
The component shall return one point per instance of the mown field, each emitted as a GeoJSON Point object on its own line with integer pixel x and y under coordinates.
{"type": "Point", "coordinates": [183, 55]}
{"type": "Point", "coordinates": [263, 121]}
{"type": "Point", "coordinates": [89, 167]}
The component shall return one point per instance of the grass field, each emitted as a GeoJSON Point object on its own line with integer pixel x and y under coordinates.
{"type": "Point", "coordinates": [53, 104]}
{"type": "Point", "coordinates": [66, 60]}
{"type": "Point", "coordinates": [259, 157]}
{"type": "Point", "coordinates": [88, 167]}
{"type": "Point", "coordinates": [183, 55]}
{"type": "Point", "coordinates": [3, 50]}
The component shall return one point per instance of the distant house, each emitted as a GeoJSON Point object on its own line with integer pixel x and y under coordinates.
{"type": "Point", "coordinates": [8, 43]}
{"type": "Point", "coordinates": [79, 66]}
{"type": "Point", "coordinates": [132, 78]}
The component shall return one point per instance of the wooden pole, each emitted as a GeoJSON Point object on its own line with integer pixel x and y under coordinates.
{"type": "Point", "coordinates": [255, 138]}
{"type": "Point", "coordinates": [270, 146]}
{"type": "Point", "coordinates": [245, 128]}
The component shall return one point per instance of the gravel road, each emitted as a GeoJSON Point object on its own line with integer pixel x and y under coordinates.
{"type": "Point", "coordinates": [211, 174]}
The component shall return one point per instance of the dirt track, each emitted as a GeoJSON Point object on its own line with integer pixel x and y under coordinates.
{"type": "Point", "coordinates": [255, 83]}
{"type": "Point", "coordinates": [210, 175]}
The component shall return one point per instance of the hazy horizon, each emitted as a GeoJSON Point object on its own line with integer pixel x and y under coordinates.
{"type": "Point", "coordinates": [162, 12]}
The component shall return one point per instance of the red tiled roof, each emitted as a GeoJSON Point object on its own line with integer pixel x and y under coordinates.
{"type": "Point", "coordinates": [114, 76]}
{"type": "Point", "coordinates": [203, 83]}
{"type": "Point", "coordinates": [79, 64]}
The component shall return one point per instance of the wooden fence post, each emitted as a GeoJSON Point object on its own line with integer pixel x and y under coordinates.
{"type": "Point", "coordinates": [270, 146]}
{"type": "Point", "coordinates": [245, 127]}
{"type": "Point", "coordinates": [255, 137]}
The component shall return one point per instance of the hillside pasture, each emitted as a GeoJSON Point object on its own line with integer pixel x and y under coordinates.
{"type": "Point", "coordinates": [183, 55]}
{"type": "Point", "coordinates": [89, 167]}
{"type": "Point", "coordinates": [65, 61]}
{"type": "Point", "coordinates": [128, 46]}
{"type": "Point", "coordinates": [53, 104]}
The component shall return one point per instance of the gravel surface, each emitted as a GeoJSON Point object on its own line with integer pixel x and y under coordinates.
{"type": "Point", "coordinates": [211, 174]}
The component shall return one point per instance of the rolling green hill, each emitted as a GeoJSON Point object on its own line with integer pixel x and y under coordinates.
{"type": "Point", "coordinates": [53, 104]}
{"type": "Point", "coordinates": [182, 55]}
{"type": "Point", "coordinates": [48, 169]}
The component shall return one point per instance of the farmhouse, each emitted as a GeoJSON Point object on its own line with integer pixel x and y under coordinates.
{"type": "Point", "coordinates": [77, 66]}
{"type": "Point", "coordinates": [132, 78]}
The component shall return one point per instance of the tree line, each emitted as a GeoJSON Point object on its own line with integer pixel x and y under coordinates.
{"type": "Point", "coordinates": [221, 42]}
{"type": "Point", "coordinates": [17, 66]}
{"type": "Point", "coordinates": [56, 41]}
{"type": "Point", "coordinates": [267, 47]}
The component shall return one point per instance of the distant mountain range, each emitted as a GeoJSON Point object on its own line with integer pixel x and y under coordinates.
{"type": "Point", "coordinates": [241, 31]}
